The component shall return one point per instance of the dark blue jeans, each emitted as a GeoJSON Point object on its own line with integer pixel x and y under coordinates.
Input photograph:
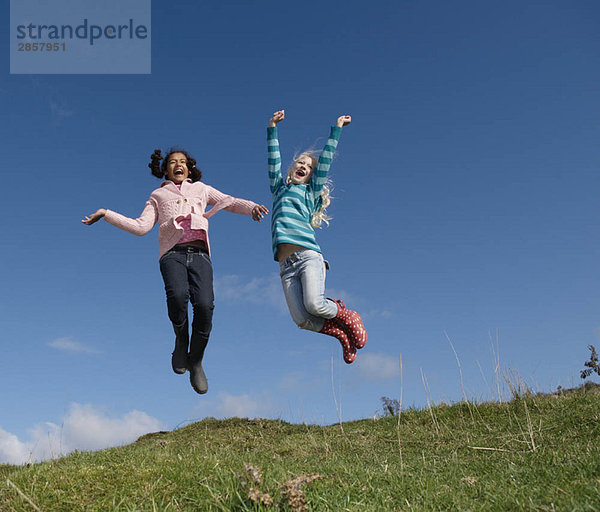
{"type": "Point", "coordinates": [188, 276]}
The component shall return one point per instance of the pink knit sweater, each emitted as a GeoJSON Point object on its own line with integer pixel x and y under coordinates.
{"type": "Point", "coordinates": [167, 203]}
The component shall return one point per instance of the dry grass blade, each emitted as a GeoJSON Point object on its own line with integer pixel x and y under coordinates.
{"type": "Point", "coordinates": [23, 495]}
{"type": "Point", "coordinates": [337, 408]}
{"type": "Point", "coordinates": [487, 448]}
{"type": "Point", "coordinates": [496, 356]}
{"type": "Point", "coordinates": [484, 379]}
{"type": "Point", "coordinates": [462, 385]}
{"type": "Point", "coordinates": [433, 418]}
{"type": "Point", "coordinates": [398, 424]}
{"type": "Point", "coordinates": [529, 426]}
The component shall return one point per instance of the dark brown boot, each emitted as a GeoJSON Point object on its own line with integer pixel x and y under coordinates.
{"type": "Point", "coordinates": [179, 357]}
{"type": "Point", "coordinates": [197, 377]}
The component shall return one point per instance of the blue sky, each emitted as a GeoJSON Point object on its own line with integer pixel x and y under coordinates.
{"type": "Point", "coordinates": [465, 203]}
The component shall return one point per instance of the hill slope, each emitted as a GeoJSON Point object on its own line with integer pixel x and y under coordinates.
{"type": "Point", "coordinates": [535, 453]}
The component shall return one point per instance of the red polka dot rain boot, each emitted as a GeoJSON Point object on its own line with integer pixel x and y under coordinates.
{"type": "Point", "coordinates": [331, 328]}
{"type": "Point", "coordinates": [351, 322]}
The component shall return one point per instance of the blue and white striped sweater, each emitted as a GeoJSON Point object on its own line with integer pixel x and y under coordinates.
{"type": "Point", "coordinates": [293, 205]}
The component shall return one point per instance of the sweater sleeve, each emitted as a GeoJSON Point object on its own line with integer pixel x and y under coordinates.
{"type": "Point", "coordinates": [274, 159]}
{"type": "Point", "coordinates": [319, 177]}
{"type": "Point", "coordinates": [140, 226]}
{"type": "Point", "coordinates": [219, 201]}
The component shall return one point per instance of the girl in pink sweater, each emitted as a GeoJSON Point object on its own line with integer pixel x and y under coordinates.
{"type": "Point", "coordinates": [178, 206]}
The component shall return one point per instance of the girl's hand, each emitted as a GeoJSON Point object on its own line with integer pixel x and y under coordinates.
{"type": "Point", "coordinates": [277, 117]}
{"type": "Point", "coordinates": [94, 217]}
{"type": "Point", "coordinates": [343, 121]}
{"type": "Point", "coordinates": [259, 212]}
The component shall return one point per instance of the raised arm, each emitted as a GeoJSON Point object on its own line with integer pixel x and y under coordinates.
{"type": "Point", "coordinates": [319, 177]}
{"type": "Point", "coordinates": [274, 158]}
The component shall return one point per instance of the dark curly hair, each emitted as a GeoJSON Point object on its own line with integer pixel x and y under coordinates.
{"type": "Point", "coordinates": [160, 169]}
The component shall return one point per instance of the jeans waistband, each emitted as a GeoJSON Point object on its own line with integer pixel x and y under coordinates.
{"type": "Point", "coordinates": [301, 254]}
{"type": "Point", "coordinates": [297, 256]}
{"type": "Point", "coordinates": [189, 249]}
{"type": "Point", "coordinates": [292, 258]}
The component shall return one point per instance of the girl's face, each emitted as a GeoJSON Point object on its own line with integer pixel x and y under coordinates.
{"type": "Point", "coordinates": [177, 170]}
{"type": "Point", "coordinates": [301, 171]}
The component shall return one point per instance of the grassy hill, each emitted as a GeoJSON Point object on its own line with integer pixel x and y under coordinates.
{"type": "Point", "coordinates": [536, 452]}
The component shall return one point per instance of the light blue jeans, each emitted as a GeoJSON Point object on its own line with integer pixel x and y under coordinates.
{"type": "Point", "coordinates": [303, 280]}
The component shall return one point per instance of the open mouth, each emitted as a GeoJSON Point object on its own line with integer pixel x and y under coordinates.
{"type": "Point", "coordinates": [300, 173]}
{"type": "Point", "coordinates": [178, 172]}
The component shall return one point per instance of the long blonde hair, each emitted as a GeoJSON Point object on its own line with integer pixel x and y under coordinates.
{"type": "Point", "coordinates": [320, 216]}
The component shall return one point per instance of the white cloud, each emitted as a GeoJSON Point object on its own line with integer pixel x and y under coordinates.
{"type": "Point", "coordinates": [375, 367]}
{"type": "Point", "coordinates": [69, 345]}
{"type": "Point", "coordinates": [57, 103]}
{"type": "Point", "coordinates": [258, 290]}
{"type": "Point", "coordinates": [13, 451]}
{"type": "Point", "coordinates": [243, 406]}
{"type": "Point", "coordinates": [59, 110]}
{"type": "Point", "coordinates": [378, 313]}
{"type": "Point", "coordinates": [84, 428]}
{"type": "Point", "coordinates": [349, 300]}
{"type": "Point", "coordinates": [298, 381]}
{"type": "Point", "coordinates": [226, 405]}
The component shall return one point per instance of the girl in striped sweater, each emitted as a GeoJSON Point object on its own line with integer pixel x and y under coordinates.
{"type": "Point", "coordinates": [299, 201]}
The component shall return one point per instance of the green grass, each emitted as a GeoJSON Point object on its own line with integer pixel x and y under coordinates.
{"type": "Point", "coordinates": [536, 452]}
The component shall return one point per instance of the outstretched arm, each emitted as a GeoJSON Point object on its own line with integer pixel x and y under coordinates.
{"type": "Point", "coordinates": [139, 226]}
{"type": "Point", "coordinates": [219, 201]}
{"type": "Point", "coordinates": [259, 212]}
{"type": "Point", "coordinates": [94, 217]}
{"type": "Point", "coordinates": [274, 158]}
{"type": "Point", "coordinates": [319, 177]}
